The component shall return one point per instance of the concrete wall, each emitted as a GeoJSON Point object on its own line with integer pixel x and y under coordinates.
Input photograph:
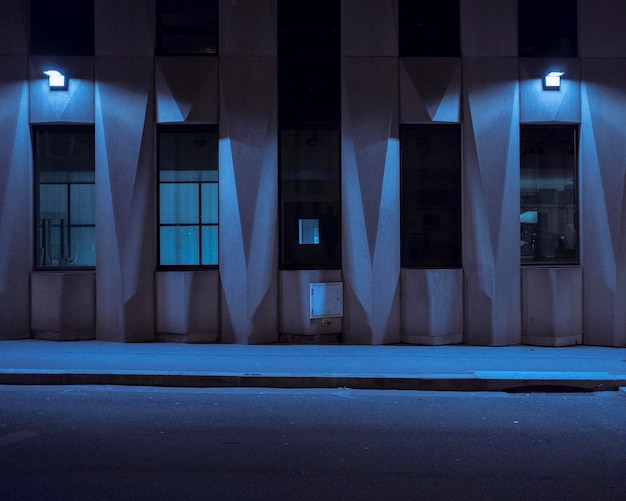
{"type": "Point", "coordinates": [124, 90]}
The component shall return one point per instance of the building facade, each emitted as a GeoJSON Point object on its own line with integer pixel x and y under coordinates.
{"type": "Point", "coordinates": [320, 174]}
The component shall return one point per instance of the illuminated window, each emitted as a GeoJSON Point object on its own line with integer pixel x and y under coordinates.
{"type": "Point", "coordinates": [187, 27]}
{"type": "Point", "coordinates": [430, 196]}
{"type": "Point", "coordinates": [62, 28]}
{"type": "Point", "coordinates": [310, 192]}
{"type": "Point", "coordinates": [429, 28]}
{"type": "Point", "coordinates": [65, 196]}
{"type": "Point", "coordinates": [547, 28]}
{"type": "Point", "coordinates": [188, 195]}
{"type": "Point", "coordinates": [549, 188]}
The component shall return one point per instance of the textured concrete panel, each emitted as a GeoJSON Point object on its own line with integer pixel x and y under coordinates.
{"type": "Point", "coordinates": [432, 306]}
{"type": "Point", "coordinates": [369, 28]}
{"type": "Point", "coordinates": [370, 200]}
{"type": "Point", "coordinates": [295, 303]}
{"type": "Point", "coordinates": [489, 28]}
{"type": "Point", "coordinates": [124, 28]}
{"type": "Point", "coordinates": [63, 305]}
{"type": "Point", "coordinates": [14, 27]}
{"type": "Point", "coordinates": [491, 202]}
{"type": "Point", "coordinates": [247, 28]}
{"type": "Point", "coordinates": [187, 304]}
{"type": "Point", "coordinates": [16, 217]}
{"type": "Point", "coordinates": [430, 90]}
{"type": "Point", "coordinates": [187, 89]}
{"type": "Point", "coordinates": [76, 104]}
{"type": "Point", "coordinates": [125, 236]}
{"type": "Point", "coordinates": [539, 105]}
{"type": "Point", "coordinates": [552, 306]}
{"type": "Point", "coordinates": [248, 199]}
{"type": "Point", "coordinates": [603, 185]}
{"type": "Point", "coordinates": [601, 28]}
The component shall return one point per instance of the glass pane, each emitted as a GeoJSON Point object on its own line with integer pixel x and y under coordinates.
{"type": "Point", "coordinates": [82, 203]}
{"type": "Point", "coordinates": [429, 28]}
{"type": "Point", "coordinates": [310, 190]}
{"type": "Point", "coordinates": [209, 203]}
{"type": "Point", "coordinates": [547, 29]}
{"type": "Point", "coordinates": [431, 196]}
{"type": "Point", "coordinates": [180, 245]}
{"type": "Point", "coordinates": [82, 247]}
{"type": "Point", "coordinates": [188, 156]}
{"type": "Point", "coordinates": [73, 18]}
{"type": "Point", "coordinates": [549, 209]}
{"type": "Point", "coordinates": [209, 245]}
{"type": "Point", "coordinates": [179, 203]}
{"type": "Point", "coordinates": [53, 201]}
{"type": "Point", "coordinates": [188, 26]}
{"type": "Point", "coordinates": [309, 231]}
{"type": "Point", "coordinates": [65, 156]}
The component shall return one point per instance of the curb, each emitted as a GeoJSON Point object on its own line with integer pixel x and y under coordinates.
{"type": "Point", "coordinates": [479, 381]}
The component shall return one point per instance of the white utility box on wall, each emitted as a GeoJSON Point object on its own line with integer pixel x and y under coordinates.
{"type": "Point", "coordinates": [326, 299]}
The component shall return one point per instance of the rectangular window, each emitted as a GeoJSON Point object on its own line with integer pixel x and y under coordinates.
{"type": "Point", "coordinates": [549, 194]}
{"type": "Point", "coordinates": [429, 28]}
{"type": "Point", "coordinates": [188, 195]}
{"type": "Point", "coordinates": [310, 192]}
{"type": "Point", "coordinates": [308, 61]}
{"type": "Point", "coordinates": [430, 157]}
{"type": "Point", "coordinates": [187, 27]}
{"type": "Point", "coordinates": [547, 29]}
{"type": "Point", "coordinates": [62, 28]}
{"type": "Point", "coordinates": [65, 197]}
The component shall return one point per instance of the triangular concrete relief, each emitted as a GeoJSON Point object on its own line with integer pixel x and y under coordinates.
{"type": "Point", "coordinates": [430, 90]}
{"type": "Point", "coordinates": [187, 89]}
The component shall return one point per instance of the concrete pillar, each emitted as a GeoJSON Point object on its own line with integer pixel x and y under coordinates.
{"type": "Point", "coordinates": [16, 243]}
{"type": "Point", "coordinates": [370, 172]}
{"type": "Point", "coordinates": [248, 191]}
{"type": "Point", "coordinates": [603, 170]}
{"type": "Point", "coordinates": [125, 172]}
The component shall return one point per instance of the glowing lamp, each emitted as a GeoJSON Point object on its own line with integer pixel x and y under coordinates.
{"type": "Point", "coordinates": [552, 81]}
{"type": "Point", "coordinates": [56, 80]}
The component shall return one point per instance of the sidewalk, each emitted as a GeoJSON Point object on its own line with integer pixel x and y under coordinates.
{"type": "Point", "coordinates": [458, 368]}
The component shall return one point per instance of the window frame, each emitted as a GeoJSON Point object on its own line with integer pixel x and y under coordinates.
{"type": "Point", "coordinates": [575, 261]}
{"type": "Point", "coordinates": [313, 265]}
{"type": "Point", "coordinates": [405, 262]}
{"type": "Point", "coordinates": [81, 42]}
{"type": "Point", "coordinates": [36, 129]}
{"type": "Point", "coordinates": [178, 128]}
{"type": "Point", "coordinates": [161, 30]}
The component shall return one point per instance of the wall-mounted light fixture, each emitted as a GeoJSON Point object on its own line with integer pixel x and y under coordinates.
{"type": "Point", "coordinates": [552, 81]}
{"type": "Point", "coordinates": [56, 80]}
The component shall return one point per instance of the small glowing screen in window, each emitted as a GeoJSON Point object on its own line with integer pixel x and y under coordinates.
{"type": "Point", "coordinates": [309, 231]}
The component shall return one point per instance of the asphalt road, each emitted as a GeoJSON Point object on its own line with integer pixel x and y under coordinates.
{"type": "Point", "coordinates": [154, 443]}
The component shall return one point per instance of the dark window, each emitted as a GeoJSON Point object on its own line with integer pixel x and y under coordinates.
{"type": "Point", "coordinates": [429, 28]}
{"type": "Point", "coordinates": [188, 195]}
{"type": "Point", "coordinates": [309, 112]}
{"type": "Point", "coordinates": [308, 60]}
{"type": "Point", "coordinates": [310, 191]}
{"type": "Point", "coordinates": [547, 28]}
{"type": "Point", "coordinates": [61, 27]}
{"type": "Point", "coordinates": [430, 196]}
{"type": "Point", "coordinates": [65, 196]}
{"type": "Point", "coordinates": [549, 194]}
{"type": "Point", "coordinates": [187, 27]}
